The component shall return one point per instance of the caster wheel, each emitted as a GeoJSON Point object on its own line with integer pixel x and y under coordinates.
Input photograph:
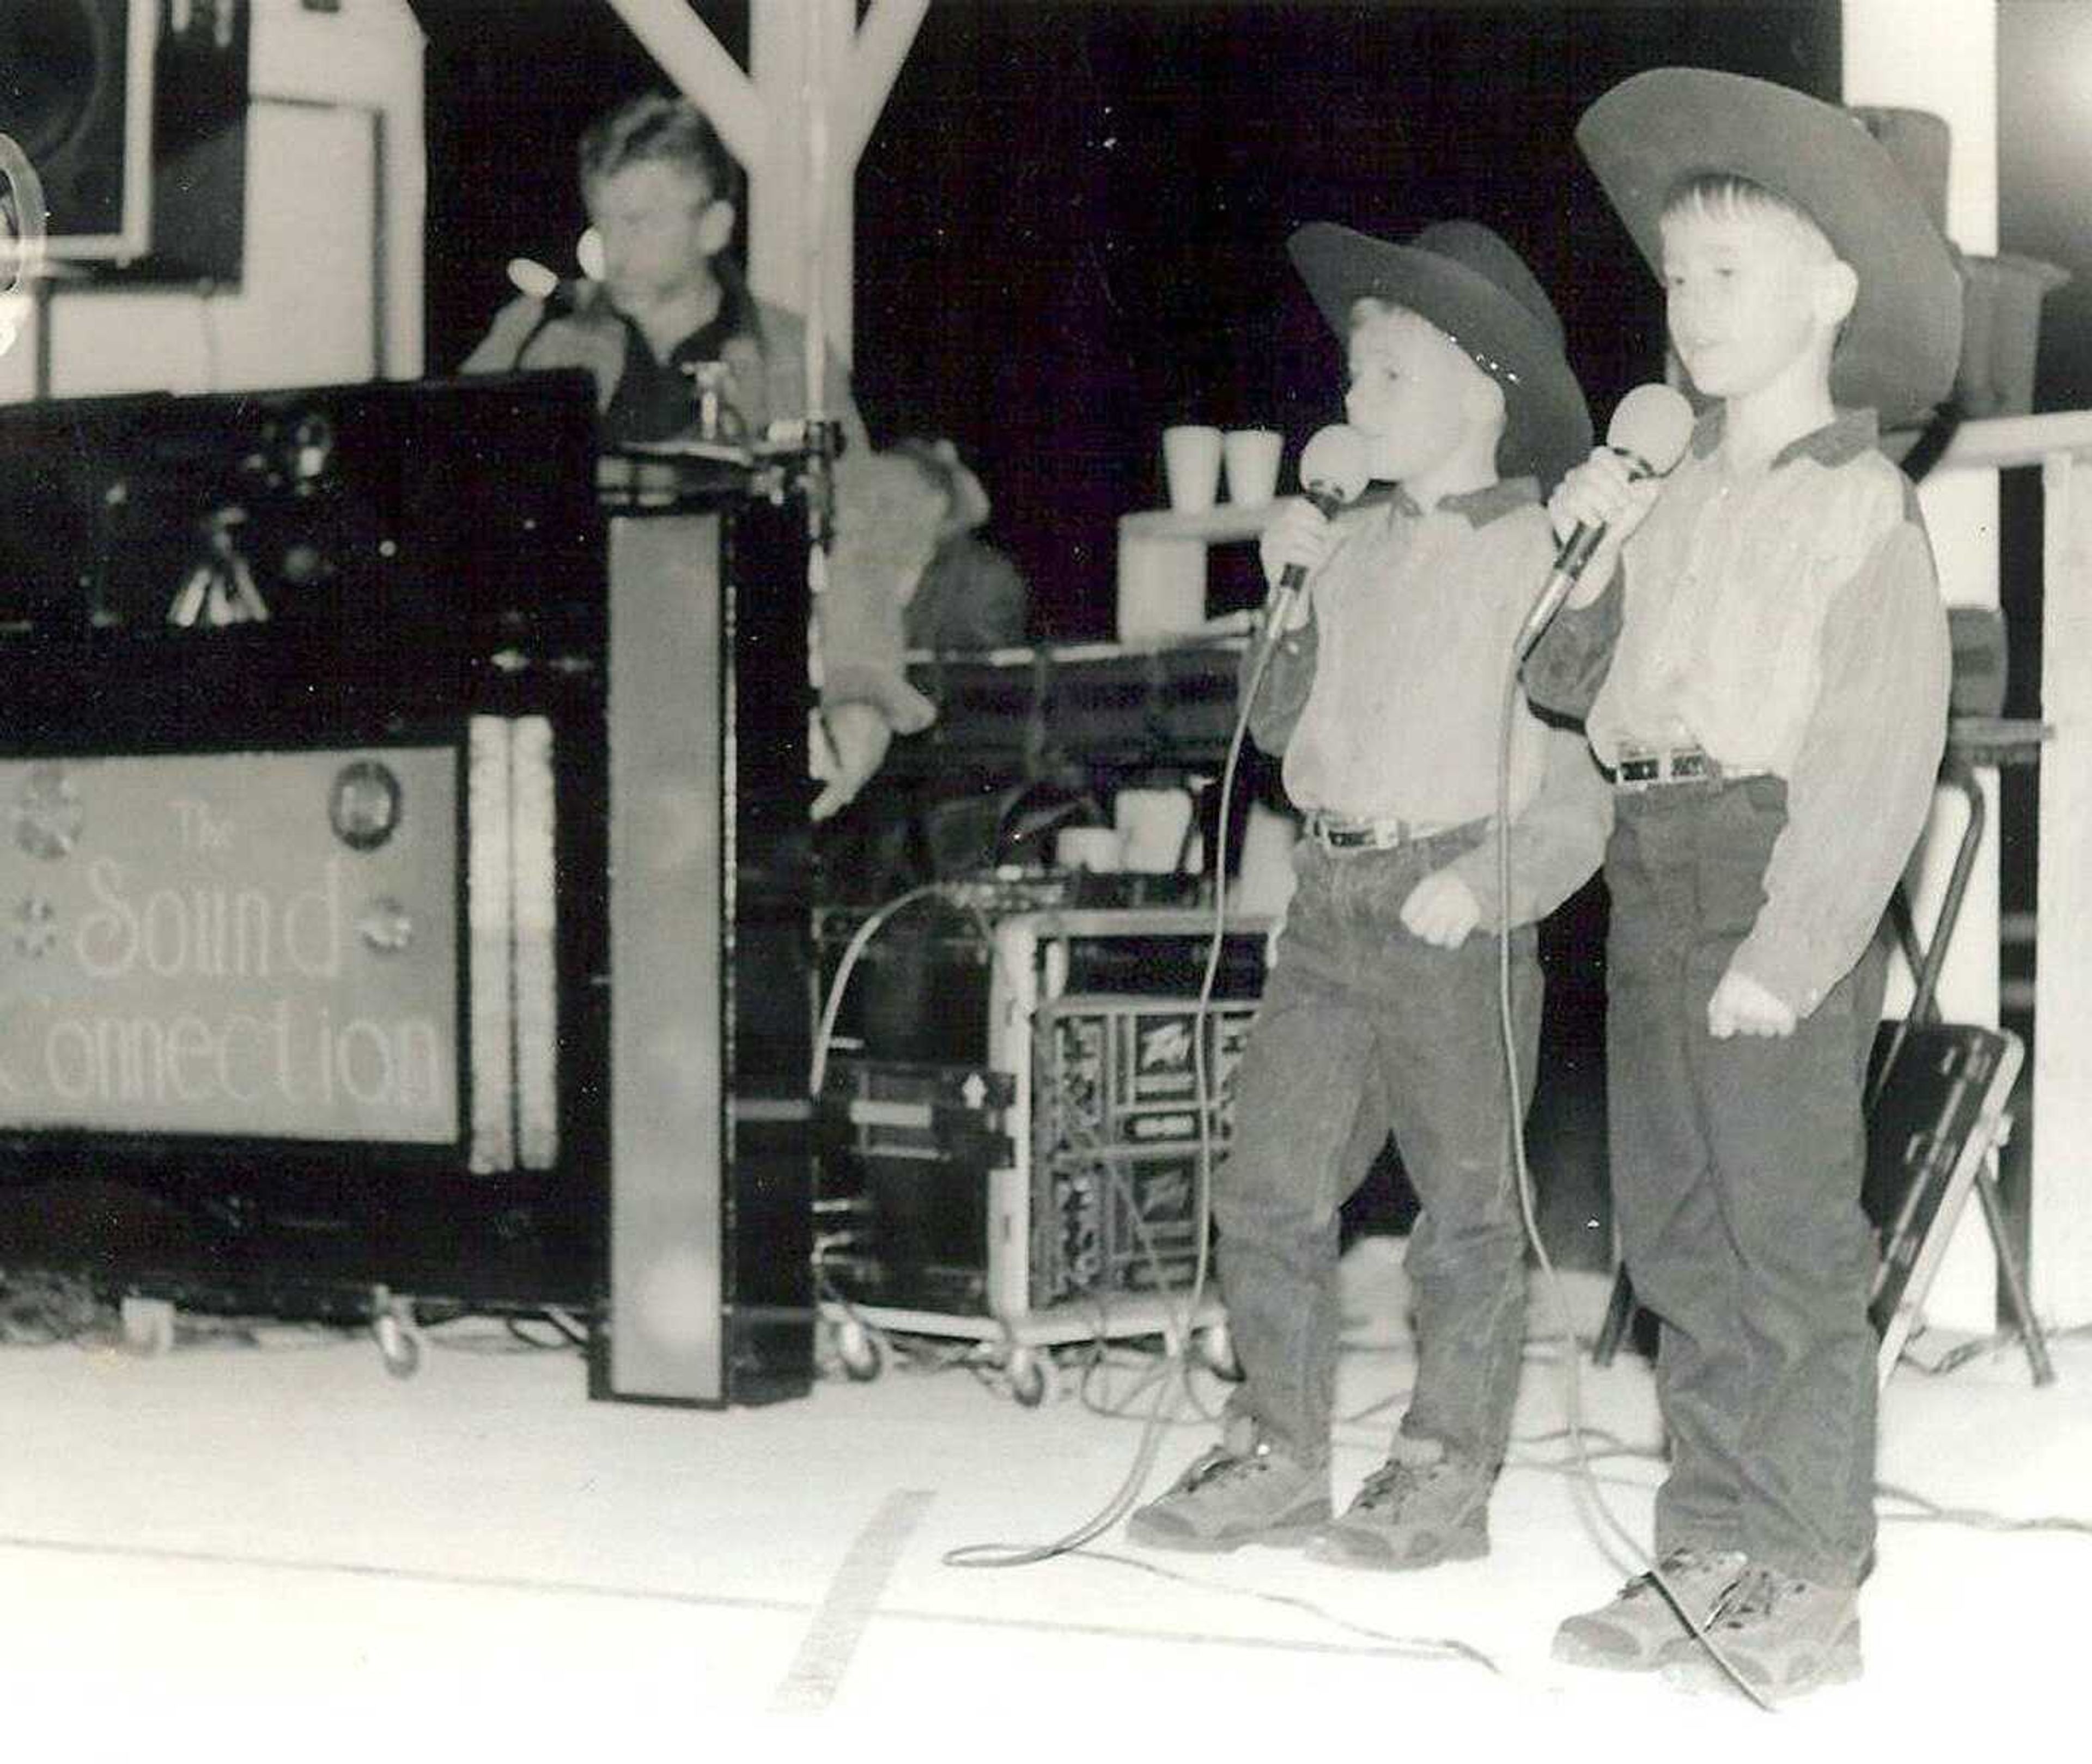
{"type": "Point", "coordinates": [1027, 1378]}
{"type": "Point", "coordinates": [858, 1351]}
{"type": "Point", "coordinates": [1217, 1349]}
{"type": "Point", "coordinates": [398, 1343]}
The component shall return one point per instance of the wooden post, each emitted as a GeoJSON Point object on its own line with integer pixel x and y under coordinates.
{"type": "Point", "coordinates": [761, 117]}
{"type": "Point", "coordinates": [2060, 1252]}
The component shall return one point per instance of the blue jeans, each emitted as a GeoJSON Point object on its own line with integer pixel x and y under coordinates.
{"type": "Point", "coordinates": [1737, 1167]}
{"type": "Point", "coordinates": [1365, 1030]}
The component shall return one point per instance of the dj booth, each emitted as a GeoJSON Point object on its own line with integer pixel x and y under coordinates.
{"type": "Point", "coordinates": [386, 825]}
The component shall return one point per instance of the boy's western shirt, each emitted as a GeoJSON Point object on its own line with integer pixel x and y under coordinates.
{"type": "Point", "coordinates": [1386, 704]}
{"type": "Point", "coordinates": [1787, 620]}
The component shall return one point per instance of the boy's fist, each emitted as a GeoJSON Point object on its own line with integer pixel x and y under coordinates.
{"type": "Point", "coordinates": [1742, 1007]}
{"type": "Point", "coordinates": [1441, 909]}
{"type": "Point", "coordinates": [1299, 533]}
{"type": "Point", "coordinates": [1602, 492]}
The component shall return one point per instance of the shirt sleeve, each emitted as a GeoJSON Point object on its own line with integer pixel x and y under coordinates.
{"type": "Point", "coordinates": [1569, 663]}
{"type": "Point", "coordinates": [1556, 845]}
{"type": "Point", "coordinates": [497, 351]}
{"type": "Point", "coordinates": [1862, 783]}
{"type": "Point", "coordinates": [1282, 695]}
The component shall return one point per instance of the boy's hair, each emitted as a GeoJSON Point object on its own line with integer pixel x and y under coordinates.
{"type": "Point", "coordinates": [1729, 194]}
{"type": "Point", "coordinates": [656, 126]}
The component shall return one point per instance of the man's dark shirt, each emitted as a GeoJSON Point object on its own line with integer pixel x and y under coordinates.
{"type": "Point", "coordinates": [656, 399]}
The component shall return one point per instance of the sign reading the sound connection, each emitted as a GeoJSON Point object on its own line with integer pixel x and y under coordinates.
{"type": "Point", "coordinates": [258, 944]}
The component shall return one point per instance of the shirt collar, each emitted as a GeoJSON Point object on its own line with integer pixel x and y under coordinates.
{"type": "Point", "coordinates": [1477, 508]}
{"type": "Point", "coordinates": [1840, 441]}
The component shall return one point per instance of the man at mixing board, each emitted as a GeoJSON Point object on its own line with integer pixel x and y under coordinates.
{"type": "Point", "coordinates": [671, 331]}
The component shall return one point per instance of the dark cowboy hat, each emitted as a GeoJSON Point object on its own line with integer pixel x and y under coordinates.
{"type": "Point", "coordinates": [1903, 342]}
{"type": "Point", "coordinates": [1474, 288]}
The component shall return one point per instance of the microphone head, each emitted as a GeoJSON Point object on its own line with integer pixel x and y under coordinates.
{"type": "Point", "coordinates": [1651, 425]}
{"type": "Point", "coordinates": [531, 278]}
{"type": "Point", "coordinates": [1336, 463]}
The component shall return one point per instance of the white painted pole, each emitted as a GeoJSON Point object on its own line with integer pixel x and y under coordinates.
{"type": "Point", "coordinates": [2059, 1252]}
{"type": "Point", "coordinates": [814, 104]}
{"type": "Point", "coordinates": [1941, 57]}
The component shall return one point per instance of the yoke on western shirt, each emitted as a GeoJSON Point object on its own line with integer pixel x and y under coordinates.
{"type": "Point", "coordinates": [1787, 619]}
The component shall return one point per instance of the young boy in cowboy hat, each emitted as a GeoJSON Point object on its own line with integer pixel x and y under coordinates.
{"type": "Point", "coordinates": [1765, 669]}
{"type": "Point", "coordinates": [1386, 698]}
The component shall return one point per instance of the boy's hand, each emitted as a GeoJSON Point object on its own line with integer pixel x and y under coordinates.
{"type": "Point", "coordinates": [1742, 1007]}
{"type": "Point", "coordinates": [1298, 533]}
{"type": "Point", "coordinates": [1601, 492]}
{"type": "Point", "coordinates": [1441, 909]}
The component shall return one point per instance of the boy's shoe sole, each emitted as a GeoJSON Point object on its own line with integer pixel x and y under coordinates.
{"type": "Point", "coordinates": [1356, 1548]}
{"type": "Point", "coordinates": [1689, 1666]}
{"type": "Point", "coordinates": [1142, 1529]}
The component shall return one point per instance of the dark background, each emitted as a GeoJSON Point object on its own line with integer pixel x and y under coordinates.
{"type": "Point", "coordinates": [1072, 216]}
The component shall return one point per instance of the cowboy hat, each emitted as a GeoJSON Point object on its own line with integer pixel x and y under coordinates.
{"type": "Point", "coordinates": [1650, 133]}
{"type": "Point", "coordinates": [1468, 282]}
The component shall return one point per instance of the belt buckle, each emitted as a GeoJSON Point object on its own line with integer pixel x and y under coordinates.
{"type": "Point", "coordinates": [1636, 770]}
{"type": "Point", "coordinates": [1364, 836]}
{"type": "Point", "coordinates": [1642, 768]}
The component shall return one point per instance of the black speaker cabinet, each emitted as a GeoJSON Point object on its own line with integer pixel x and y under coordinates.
{"type": "Point", "coordinates": [710, 1230]}
{"type": "Point", "coordinates": [403, 872]}
{"type": "Point", "coordinates": [199, 200]}
{"type": "Point", "coordinates": [76, 95]}
{"type": "Point", "coordinates": [300, 926]}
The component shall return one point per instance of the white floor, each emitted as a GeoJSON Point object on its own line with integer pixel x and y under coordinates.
{"type": "Point", "coordinates": [273, 1550]}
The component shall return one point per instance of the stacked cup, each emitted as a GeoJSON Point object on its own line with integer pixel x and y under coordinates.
{"type": "Point", "coordinates": [1193, 455]}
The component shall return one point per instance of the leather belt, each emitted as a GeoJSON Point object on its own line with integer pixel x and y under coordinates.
{"type": "Point", "coordinates": [1338, 832]}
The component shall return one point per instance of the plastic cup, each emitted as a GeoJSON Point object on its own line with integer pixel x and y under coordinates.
{"type": "Point", "coordinates": [1192, 465]}
{"type": "Point", "coordinates": [1251, 457]}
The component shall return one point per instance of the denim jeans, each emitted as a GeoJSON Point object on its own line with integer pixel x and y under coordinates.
{"type": "Point", "coordinates": [1364, 1029]}
{"type": "Point", "coordinates": [1737, 1167]}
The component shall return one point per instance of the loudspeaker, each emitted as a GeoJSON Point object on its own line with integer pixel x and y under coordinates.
{"type": "Point", "coordinates": [76, 95]}
{"type": "Point", "coordinates": [199, 219]}
{"type": "Point", "coordinates": [710, 1275]}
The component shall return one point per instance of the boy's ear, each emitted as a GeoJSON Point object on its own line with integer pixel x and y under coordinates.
{"type": "Point", "coordinates": [715, 228]}
{"type": "Point", "coordinates": [1837, 287]}
{"type": "Point", "coordinates": [1482, 403]}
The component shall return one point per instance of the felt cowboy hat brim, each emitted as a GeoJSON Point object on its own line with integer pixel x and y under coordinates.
{"type": "Point", "coordinates": [1903, 342]}
{"type": "Point", "coordinates": [1454, 275]}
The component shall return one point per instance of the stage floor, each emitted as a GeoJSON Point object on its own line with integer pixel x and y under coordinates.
{"type": "Point", "coordinates": [267, 1541]}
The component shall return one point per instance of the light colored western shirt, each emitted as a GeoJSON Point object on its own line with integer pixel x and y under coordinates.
{"type": "Point", "coordinates": [1786, 619]}
{"type": "Point", "coordinates": [1387, 704]}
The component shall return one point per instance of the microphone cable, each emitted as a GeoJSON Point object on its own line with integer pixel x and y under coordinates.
{"type": "Point", "coordinates": [1174, 1386]}
{"type": "Point", "coordinates": [1599, 1518]}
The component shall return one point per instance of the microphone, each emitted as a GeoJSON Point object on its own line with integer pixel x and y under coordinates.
{"type": "Point", "coordinates": [1650, 428]}
{"type": "Point", "coordinates": [562, 294]}
{"type": "Point", "coordinates": [1334, 466]}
